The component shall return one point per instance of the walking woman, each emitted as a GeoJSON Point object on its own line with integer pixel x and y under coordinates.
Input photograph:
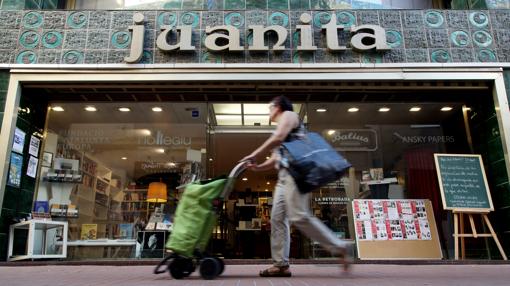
{"type": "Point", "coordinates": [289, 205]}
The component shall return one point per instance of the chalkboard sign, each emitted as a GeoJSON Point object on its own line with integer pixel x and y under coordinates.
{"type": "Point", "coordinates": [463, 182]}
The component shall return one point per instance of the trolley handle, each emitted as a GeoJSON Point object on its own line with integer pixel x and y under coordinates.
{"type": "Point", "coordinates": [236, 171]}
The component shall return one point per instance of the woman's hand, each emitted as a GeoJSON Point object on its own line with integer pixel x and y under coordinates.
{"type": "Point", "coordinates": [250, 159]}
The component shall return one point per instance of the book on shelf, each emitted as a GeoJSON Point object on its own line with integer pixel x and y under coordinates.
{"type": "Point", "coordinates": [88, 231]}
{"type": "Point", "coordinates": [126, 230]}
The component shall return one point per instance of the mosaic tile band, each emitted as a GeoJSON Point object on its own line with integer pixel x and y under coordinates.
{"type": "Point", "coordinates": [102, 37]}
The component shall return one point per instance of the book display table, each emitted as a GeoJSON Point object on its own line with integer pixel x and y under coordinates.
{"type": "Point", "coordinates": [40, 232]}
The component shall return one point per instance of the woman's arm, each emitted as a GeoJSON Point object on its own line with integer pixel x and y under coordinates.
{"type": "Point", "coordinates": [266, 165]}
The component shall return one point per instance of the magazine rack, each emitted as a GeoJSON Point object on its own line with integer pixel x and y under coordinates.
{"type": "Point", "coordinates": [38, 230]}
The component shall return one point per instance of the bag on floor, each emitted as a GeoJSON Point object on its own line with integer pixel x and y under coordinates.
{"type": "Point", "coordinates": [312, 162]}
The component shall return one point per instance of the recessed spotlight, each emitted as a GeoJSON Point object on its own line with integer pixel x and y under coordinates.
{"type": "Point", "coordinates": [157, 109]}
{"type": "Point", "coordinates": [57, 108]}
{"type": "Point", "coordinates": [353, 109]}
{"type": "Point", "coordinates": [124, 158]}
{"type": "Point", "coordinates": [266, 190]}
{"type": "Point", "coordinates": [210, 159]}
{"type": "Point", "coordinates": [245, 179]}
{"type": "Point", "coordinates": [268, 183]}
{"type": "Point", "coordinates": [331, 132]}
{"type": "Point", "coordinates": [446, 108]}
{"type": "Point", "coordinates": [384, 109]}
{"type": "Point", "coordinates": [90, 108]}
{"type": "Point", "coordinates": [415, 109]}
{"type": "Point", "coordinates": [321, 110]}
{"type": "Point", "coordinates": [267, 157]}
{"type": "Point", "coordinates": [160, 150]}
{"type": "Point", "coordinates": [124, 109]}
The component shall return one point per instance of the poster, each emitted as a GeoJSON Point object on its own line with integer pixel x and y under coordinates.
{"type": "Point", "coordinates": [18, 141]}
{"type": "Point", "coordinates": [381, 230]}
{"type": "Point", "coordinates": [14, 178]}
{"type": "Point", "coordinates": [32, 166]}
{"type": "Point", "coordinates": [425, 229]}
{"type": "Point", "coordinates": [391, 220]}
{"type": "Point", "coordinates": [34, 146]}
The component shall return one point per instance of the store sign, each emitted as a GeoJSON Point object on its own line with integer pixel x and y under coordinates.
{"type": "Point", "coordinates": [425, 138]}
{"type": "Point", "coordinates": [332, 200]}
{"type": "Point", "coordinates": [164, 140]}
{"type": "Point", "coordinates": [228, 38]}
{"type": "Point", "coordinates": [352, 139]}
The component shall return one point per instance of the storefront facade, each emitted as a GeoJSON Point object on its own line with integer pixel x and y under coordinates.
{"type": "Point", "coordinates": [107, 101]}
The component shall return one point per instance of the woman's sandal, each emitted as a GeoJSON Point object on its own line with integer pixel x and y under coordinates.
{"type": "Point", "coordinates": [276, 271]}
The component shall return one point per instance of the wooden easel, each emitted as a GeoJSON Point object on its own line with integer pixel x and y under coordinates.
{"type": "Point", "coordinates": [458, 216]}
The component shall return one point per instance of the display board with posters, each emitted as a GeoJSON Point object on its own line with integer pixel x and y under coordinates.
{"type": "Point", "coordinates": [395, 229]}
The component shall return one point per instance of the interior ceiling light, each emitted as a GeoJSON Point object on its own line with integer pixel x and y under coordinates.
{"type": "Point", "coordinates": [157, 109]}
{"type": "Point", "coordinates": [90, 108]}
{"type": "Point", "coordinates": [124, 158]}
{"type": "Point", "coordinates": [384, 109]}
{"type": "Point", "coordinates": [415, 109]}
{"type": "Point", "coordinates": [57, 108]}
{"type": "Point", "coordinates": [160, 150]}
{"type": "Point", "coordinates": [124, 109]}
{"type": "Point", "coordinates": [268, 183]}
{"type": "Point", "coordinates": [245, 179]}
{"type": "Point", "coordinates": [446, 108]}
{"type": "Point", "coordinates": [321, 109]}
{"type": "Point", "coordinates": [210, 159]}
{"type": "Point", "coordinates": [331, 132]}
{"type": "Point", "coordinates": [353, 109]}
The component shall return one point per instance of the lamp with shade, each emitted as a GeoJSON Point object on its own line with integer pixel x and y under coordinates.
{"type": "Point", "coordinates": [156, 193]}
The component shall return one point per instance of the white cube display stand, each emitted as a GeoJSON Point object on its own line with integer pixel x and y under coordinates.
{"type": "Point", "coordinates": [38, 226]}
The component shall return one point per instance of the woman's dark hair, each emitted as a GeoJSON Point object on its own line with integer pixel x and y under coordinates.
{"type": "Point", "coordinates": [283, 103]}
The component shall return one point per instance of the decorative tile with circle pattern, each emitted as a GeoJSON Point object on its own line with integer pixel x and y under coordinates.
{"type": "Point", "coordinates": [99, 36]}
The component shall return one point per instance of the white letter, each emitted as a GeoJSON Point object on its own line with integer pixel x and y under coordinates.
{"type": "Point", "coordinates": [232, 37]}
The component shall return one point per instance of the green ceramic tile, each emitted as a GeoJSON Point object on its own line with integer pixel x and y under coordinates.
{"type": "Point", "coordinates": [12, 5]}
{"type": "Point", "coordinates": [477, 4]}
{"type": "Point", "coordinates": [299, 4]}
{"type": "Point", "coordinates": [501, 195]}
{"type": "Point", "coordinates": [497, 173]}
{"type": "Point", "coordinates": [278, 4]}
{"type": "Point", "coordinates": [50, 4]}
{"type": "Point", "coordinates": [320, 4]}
{"type": "Point", "coordinates": [256, 4]}
{"type": "Point", "coordinates": [26, 201]}
{"type": "Point", "coordinates": [496, 151]}
{"type": "Point", "coordinates": [214, 4]}
{"type": "Point", "coordinates": [173, 4]}
{"type": "Point", "coordinates": [193, 4]}
{"type": "Point", "coordinates": [3, 246]}
{"type": "Point", "coordinates": [235, 4]}
{"type": "Point", "coordinates": [33, 4]}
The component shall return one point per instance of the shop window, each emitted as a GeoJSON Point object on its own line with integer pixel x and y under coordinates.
{"type": "Point", "coordinates": [101, 164]}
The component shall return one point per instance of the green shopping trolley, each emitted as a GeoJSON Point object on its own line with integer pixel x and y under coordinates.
{"type": "Point", "coordinates": [195, 219]}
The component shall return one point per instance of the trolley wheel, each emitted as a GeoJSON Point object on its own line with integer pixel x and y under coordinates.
{"type": "Point", "coordinates": [221, 263]}
{"type": "Point", "coordinates": [180, 267]}
{"type": "Point", "coordinates": [209, 268]}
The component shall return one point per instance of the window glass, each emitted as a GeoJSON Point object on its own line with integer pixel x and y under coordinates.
{"type": "Point", "coordinates": [32, 4]}
{"type": "Point", "coordinates": [249, 4]}
{"type": "Point", "coordinates": [98, 168]}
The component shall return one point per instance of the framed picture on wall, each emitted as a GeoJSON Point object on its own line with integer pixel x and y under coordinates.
{"type": "Point", "coordinates": [47, 159]}
{"type": "Point", "coordinates": [14, 178]}
{"type": "Point", "coordinates": [18, 141]}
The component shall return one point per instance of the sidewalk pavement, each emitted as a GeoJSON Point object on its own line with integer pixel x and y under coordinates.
{"type": "Point", "coordinates": [238, 275]}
